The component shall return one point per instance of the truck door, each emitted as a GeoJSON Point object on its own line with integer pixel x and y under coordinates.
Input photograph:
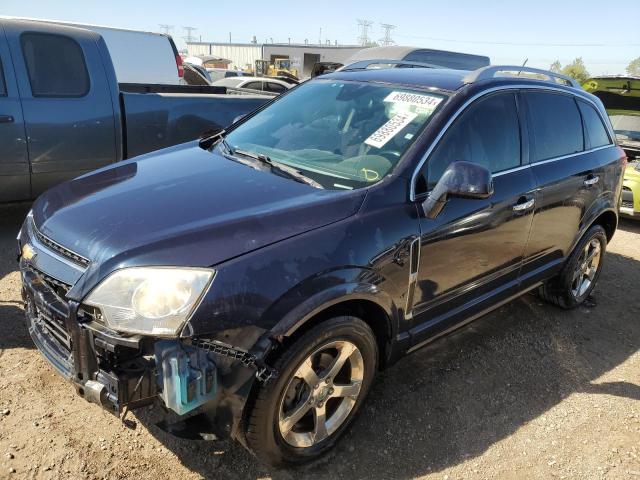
{"type": "Point", "coordinates": [14, 162]}
{"type": "Point", "coordinates": [66, 100]}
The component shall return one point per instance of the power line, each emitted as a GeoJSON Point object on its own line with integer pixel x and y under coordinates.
{"type": "Point", "coordinates": [188, 34]}
{"type": "Point", "coordinates": [387, 40]}
{"type": "Point", "coordinates": [515, 44]}
{"type": "Point", "coordinates": [166, 29]}
{"type": "Point", "coordinates": [364, 26]}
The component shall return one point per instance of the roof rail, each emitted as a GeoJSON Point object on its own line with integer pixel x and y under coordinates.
{"type": "Point", "coordinates": [364, 64]}
{"type": "Point", "coordinates": [490, 72]}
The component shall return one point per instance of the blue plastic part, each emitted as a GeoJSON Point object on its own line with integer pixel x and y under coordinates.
{"type": "Point", "coordinates": [186, 376]}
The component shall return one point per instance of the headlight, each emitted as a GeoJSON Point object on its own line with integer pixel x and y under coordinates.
{"type": "Point", "coordinates": [150, 300]}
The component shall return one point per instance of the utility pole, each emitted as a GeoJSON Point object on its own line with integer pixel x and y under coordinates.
{"type": "Point", "coordinates": [189, 34]}
{"type": "Point", "coordinates": [387, 40]}
{"type": "Point", "coordinates": [320, 37]}
{"type": "Point", "coordinates": [166, 29]}
{"type": "Point", "coordinates": [364, 26]}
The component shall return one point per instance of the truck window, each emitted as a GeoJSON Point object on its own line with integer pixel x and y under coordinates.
{"type": "Point", "coordinates": [55, 65]}
{"type": "Point", "coordinates": [556, 127]}
{"type": "Point", "coordinates": [488, 133]}
{"type": "Point", "coordinates": [595, 130]}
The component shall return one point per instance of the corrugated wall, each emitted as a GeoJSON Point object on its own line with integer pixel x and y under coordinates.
{"type": "Point", "coordinates": [240, 55]}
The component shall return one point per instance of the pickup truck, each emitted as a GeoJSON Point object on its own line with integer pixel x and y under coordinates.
{"type": "Point", "coordinates": [63, 113]}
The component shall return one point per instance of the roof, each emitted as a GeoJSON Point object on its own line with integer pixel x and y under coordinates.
{"type": "Point", "coordinates": [440, 78]}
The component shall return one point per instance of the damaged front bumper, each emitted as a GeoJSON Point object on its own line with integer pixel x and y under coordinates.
{"type": "Point", "coordinates": [188, 376]}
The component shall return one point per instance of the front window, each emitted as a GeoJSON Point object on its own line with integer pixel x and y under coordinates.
{"type": "Point", "coordinates": [342, 134]}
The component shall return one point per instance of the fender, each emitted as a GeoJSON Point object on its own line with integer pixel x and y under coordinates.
{"type": "Point", "coordinates": [604, 203]}
{"type": "Point", "coordinates": [319, 293]}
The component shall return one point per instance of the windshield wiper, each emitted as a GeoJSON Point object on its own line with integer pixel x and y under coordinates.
{"type": "Point", "coordinates": [288, 171]}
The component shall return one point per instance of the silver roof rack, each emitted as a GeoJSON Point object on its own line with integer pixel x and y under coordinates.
{"type": "Point", "coordinates": [486, 73]}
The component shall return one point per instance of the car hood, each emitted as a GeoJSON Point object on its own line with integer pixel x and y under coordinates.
{"type": "Point", "coordinates": [182, 206]}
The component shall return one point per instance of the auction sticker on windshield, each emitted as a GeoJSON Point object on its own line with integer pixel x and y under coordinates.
{"type": "Point", "coordinates": [426, 102]}
{"type": "Point", "coordinates": [390, 129]}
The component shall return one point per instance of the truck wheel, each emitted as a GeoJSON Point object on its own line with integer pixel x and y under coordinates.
{"type": "Point", "coordinates": [580, 274]}
{"type": "Point", "coordinates": [323, 379]}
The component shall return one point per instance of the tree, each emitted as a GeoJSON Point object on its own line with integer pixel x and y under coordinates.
{"type": "Point", "coordinates": [633, 68]}
{"type": "Point", "coordinates": [576, 70]}
{"type": "Point", "coordinates": [556, 66]}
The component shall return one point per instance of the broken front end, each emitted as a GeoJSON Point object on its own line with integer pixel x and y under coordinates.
{"type": "Point", "coordinates": [143, 361]}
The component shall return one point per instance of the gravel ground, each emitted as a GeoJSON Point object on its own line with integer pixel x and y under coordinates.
{"type": "Point", "coordinates": [529, 391]}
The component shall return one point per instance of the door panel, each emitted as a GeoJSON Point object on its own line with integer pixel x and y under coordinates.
{"type": "Point", "coordinates": [568, 185]}
{"type": "Point", "coordinates": [14, 162]}
{"type": "Point", "coordinates": [471, 254]}
{"type": "Point", "coordinates": [66, 101]}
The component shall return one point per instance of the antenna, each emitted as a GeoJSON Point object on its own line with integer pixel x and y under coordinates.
{"type": "Point", "coordinates": [189, 38]}
{"type": "Point", "coordinates": [166, 29]}
{"type": "Point", "coordinates": [387, 40]}
{"type": "Point", "coordinates": [364, 26]}
{"type": "Point", "coordinates": [524, 64]}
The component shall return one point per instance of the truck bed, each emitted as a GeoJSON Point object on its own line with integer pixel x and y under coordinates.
{"type": "Point", "coordinates": [157, 120]}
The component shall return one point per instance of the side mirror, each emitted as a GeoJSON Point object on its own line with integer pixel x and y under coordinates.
{"type": "Point", "coordinates": [461, 180]}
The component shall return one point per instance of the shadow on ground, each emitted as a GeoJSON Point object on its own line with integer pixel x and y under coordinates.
{"type": "Point", "coordinates": [452, 400]}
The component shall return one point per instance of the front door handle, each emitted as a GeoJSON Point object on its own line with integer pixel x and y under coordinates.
{"type": "Point", "coordinates": [523, 206]}
{"type": "Point", "coordinates": [591, 181]}
{"type": "Point", "coordinates": [6, 119]}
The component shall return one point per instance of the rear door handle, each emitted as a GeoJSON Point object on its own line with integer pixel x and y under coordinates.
{"type": "Point", "coordinates": [6, 119]}
{"type": "Point", "coordinates": [591, 181]}
{"type": "Point", "coordinates": [523, 206]}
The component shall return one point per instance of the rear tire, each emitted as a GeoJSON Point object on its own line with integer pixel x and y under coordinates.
{"type": "Point", "coordinates": [579, 276]}
{"type": "Point", "coordinates": [323, 379]}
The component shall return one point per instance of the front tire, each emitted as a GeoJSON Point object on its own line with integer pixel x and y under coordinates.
{"type": "Point", "coordinates": [578, 277]}
{"type": "Point", "coordinates": [323, 379]}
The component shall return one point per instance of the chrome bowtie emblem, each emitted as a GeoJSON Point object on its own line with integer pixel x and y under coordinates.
{"type": "Point", "coordinates": [28, 252]}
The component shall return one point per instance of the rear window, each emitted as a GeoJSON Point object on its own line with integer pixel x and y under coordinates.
{"type": "Point", "coordinates": [595, 130]}
{"type": "Point", "coordinates": [253, 85]}
{"type": "Point", "coordinates": [556, 126]}
{"type": "Point", "coordinates": [274, 87]}
{"type": "Point", "coordinates": [55, 65]}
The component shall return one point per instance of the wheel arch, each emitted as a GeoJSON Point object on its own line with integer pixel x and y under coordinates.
{"type": "Point", "coordinates": [372, 306]}
{"type": "Point", "coordinates": [607, 220]}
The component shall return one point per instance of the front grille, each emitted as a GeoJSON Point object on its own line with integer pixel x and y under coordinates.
{"type": "Point", "coordinates": [47, 307]}
{"type": "Point", "coordinates": [56, 247]}
{"type": "Point", "coordinates": [54, 326]}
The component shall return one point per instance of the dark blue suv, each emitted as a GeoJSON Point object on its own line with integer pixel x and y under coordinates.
{"type": "Point", "coordinates": [256, 280]}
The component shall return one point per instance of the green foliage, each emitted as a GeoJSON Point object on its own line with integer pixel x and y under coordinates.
{"type": "Point", "coordinates": [556, 67]}
{"type": "Point", "coordinates": [576, 70]}
{"type": "Point", "coordinates": [633, 68]}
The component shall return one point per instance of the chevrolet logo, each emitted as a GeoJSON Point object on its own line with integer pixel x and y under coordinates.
{"type": "Point", "coordinates": [28, 253]}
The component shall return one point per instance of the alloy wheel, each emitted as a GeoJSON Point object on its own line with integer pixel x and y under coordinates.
{"type": "Point", "coordinates": [321, 394]}
{"type": "Point", "coordinates": [586, 268]}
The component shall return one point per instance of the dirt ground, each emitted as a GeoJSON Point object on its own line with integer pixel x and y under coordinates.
{"type": "Point", "coordinates": [530, 391]}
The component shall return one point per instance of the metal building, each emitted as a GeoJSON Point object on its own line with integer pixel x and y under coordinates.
{"type": "Point", "coordinates": [302, 56]}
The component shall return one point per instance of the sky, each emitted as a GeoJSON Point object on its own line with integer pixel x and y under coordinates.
{"type": "Point", "coordinates": [509, 32]}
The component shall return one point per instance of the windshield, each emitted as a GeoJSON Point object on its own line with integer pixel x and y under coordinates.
{"type": "Point", "coordinates": [343, 135]}
{"type": "Point", "coordinates": [626, 126]}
